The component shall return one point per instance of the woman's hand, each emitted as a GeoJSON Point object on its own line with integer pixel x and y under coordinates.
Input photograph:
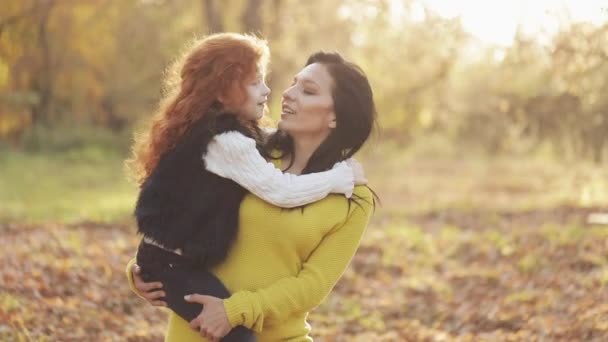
{"type": "Point", "coordinates": [357, 171]}
{"type": "Point", "coordinates": [150, 291]}
{"type": "Point", "coordinates": [213, 322]}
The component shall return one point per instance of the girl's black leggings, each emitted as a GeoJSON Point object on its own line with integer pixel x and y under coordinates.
{"type": "Point", "coordinates": [181, 277]}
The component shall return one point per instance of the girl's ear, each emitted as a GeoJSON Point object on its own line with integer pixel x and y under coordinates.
{"type": "Point", "coordinates": [230, 96]}
{"type": "Point", "coordinates": [221, 98]}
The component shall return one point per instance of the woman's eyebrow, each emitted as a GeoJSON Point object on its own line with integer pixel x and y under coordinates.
{"type": "Point", "coordinates": [305, 80]}
{"type": "Point", "coordinates": [310, 82]}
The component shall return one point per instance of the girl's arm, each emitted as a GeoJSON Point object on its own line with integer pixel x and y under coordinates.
{"type": "Point", "coordinates": [235, 156]}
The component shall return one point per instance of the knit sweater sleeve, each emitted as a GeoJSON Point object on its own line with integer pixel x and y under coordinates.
{"type": "Point", "coordinates": [131, 280]}
{"type": "Point", "coordinates": [235, 156]}
{"type": "Point", "coordinates": [306, 290]}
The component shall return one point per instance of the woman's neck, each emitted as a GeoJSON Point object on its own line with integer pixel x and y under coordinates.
{"type": "Point", "coordinates": [303, 149]}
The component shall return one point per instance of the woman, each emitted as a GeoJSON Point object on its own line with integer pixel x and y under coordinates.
{"type": "Point", "coordinates": [186, 211]}
{"type": "Point", "coordinates": [285, 262]}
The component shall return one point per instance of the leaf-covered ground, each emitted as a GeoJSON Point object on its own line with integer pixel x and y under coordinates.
{"type": "Point", "coordinates": [457, 252]}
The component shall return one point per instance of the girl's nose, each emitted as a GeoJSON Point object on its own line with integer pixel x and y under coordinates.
{"type": "Point", "coordinates": [267, 90]}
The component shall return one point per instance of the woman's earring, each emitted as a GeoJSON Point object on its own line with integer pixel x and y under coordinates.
{"type": "Point", "coordinates": [333, 123]}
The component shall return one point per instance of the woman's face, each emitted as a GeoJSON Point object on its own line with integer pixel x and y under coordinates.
{"type": "Point", "coordinates": [308, 106]}
{"type": "Point", "coordinates": [256, 92]}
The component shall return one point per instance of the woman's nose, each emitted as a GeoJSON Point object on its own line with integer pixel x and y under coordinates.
{"type": "Point", "coordinates": [288, 93]}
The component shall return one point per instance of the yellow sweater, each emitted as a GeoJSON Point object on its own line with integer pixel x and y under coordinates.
{"type": "Point", "coordinates": [283, 264]}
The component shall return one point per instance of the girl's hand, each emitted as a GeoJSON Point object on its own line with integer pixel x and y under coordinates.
{"type": "Point", "coordinates": [150, 291]}
{"type": "Point", "coordinates": [357, 171]}
{"type": "Point", "coordinates": [213, 322]}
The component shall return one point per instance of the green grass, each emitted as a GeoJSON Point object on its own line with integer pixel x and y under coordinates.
{"type": "Point", "coordinates": [80, 184]}
{"type": "Point", "coordinates": [430, 175]}
{"type": "Point", "coordinates": [75, 175]}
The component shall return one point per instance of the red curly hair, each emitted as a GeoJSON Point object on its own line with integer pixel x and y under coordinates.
{"type": "Point", "coordinates": [211, 68]}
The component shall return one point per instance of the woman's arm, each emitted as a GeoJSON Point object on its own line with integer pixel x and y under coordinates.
{"type": "Point", "coordinates": [235, 156]}
{"type": "Point", "coordinates": [315, 281]}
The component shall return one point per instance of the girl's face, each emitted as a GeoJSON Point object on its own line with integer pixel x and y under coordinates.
{"type": "Point", "coordinates": [308, 106]}
{"type": "Point", "coordinates": [256, 92]}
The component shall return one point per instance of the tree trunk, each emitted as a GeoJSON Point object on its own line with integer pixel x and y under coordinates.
{"type": "Point", "coordinates": [252, 17]}
{"type": "Point", "coordinates": [274, 31]}
{"type": "Point", "coordinates": [214, 18]}
{"type": "Point", "coordinates": [273, 35]}
{"type": "Point", "coordinates": [43, 82]}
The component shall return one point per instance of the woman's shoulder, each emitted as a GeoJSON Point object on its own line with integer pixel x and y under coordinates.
{"type": "Point", "coordinates": [364, 197]}
{"type": "Point", "coordinates": [364, 192]}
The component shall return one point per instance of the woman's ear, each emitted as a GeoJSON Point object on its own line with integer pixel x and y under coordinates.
{"type": "Point", "coordinates": [332, 120]}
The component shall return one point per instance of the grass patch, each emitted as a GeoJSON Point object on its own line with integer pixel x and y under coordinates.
{"type": "Point", "coordinates": [84, 183]}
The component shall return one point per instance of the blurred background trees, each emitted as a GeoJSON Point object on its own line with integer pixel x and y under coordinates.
{"type": "Point", "coordinates": [98, 64]}
{"type": "Point", "coordinates": [490, 162]}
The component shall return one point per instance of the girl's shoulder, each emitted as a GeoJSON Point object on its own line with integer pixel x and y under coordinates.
{"type": "Point", "coordinates": [226, 122]}
{"type": "Point", "coordinates": [268, 130]}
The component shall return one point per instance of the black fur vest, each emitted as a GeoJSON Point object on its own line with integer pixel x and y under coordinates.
{"type": "Point", "coordinates": [182, 205]}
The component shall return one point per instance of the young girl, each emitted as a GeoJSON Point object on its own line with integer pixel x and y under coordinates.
{"type": "Point", "coordinates": [205, 130]}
